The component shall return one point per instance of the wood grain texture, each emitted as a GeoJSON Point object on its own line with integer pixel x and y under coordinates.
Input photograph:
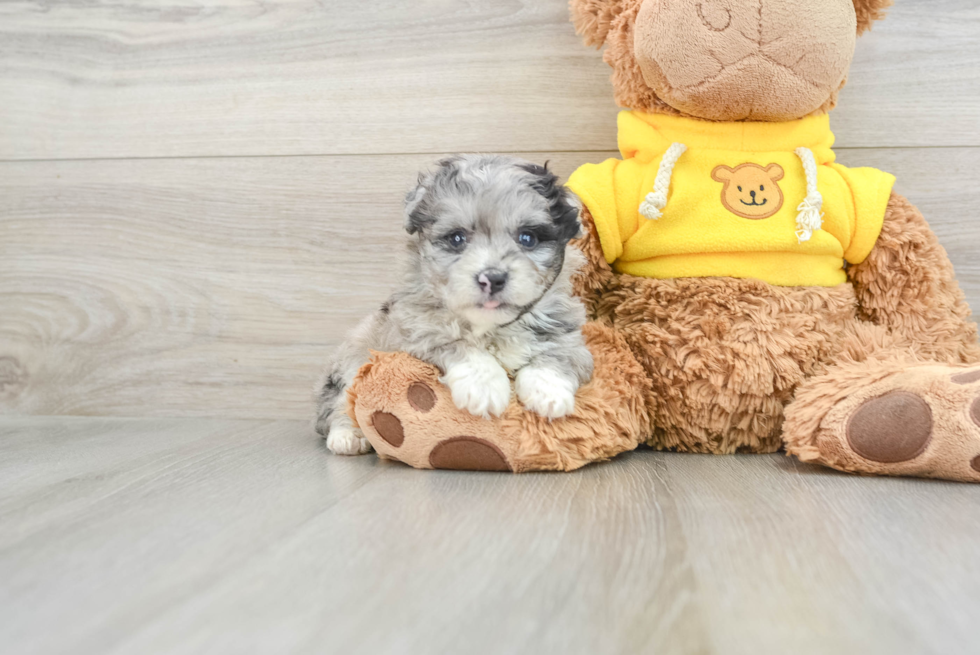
{"type": "Point", "coordinates": [216, 200]}
{"type": "Point", "coordinates": [132, 79]}
{"type": "Point", "coordinates": [216, 536]}
{"type": "Point", "coordinates": [217, 287]}
{"type": "Point", "coordinates": [208, 287]}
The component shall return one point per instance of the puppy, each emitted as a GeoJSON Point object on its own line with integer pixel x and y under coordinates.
{"type": "Point", "coordinates": [487, 296]}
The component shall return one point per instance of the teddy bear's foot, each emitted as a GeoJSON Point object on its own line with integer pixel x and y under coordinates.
{"type": "Point", "coordinates": [409, 416]}
{"type": "Point", "coordinates": [886, 419]}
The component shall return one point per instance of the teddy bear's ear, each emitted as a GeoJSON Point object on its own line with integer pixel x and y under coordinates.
{"type": "Point", "coordinates": [593, 18]}
{"type": "Point", "coordinates": [868, 11]}
{"type": "Point", "coordinates": [775, 172]}
{"type": "Point", "coordinates": [722, 173]}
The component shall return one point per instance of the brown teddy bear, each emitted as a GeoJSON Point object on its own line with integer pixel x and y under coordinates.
{"type": "Point", "coordinates": [746, 293]}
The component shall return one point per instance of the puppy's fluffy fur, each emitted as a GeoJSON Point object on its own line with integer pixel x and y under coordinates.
{"type": "Point", "coordinates": [488, 294]}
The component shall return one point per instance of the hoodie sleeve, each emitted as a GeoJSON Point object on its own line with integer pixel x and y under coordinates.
{"type": "Point", "coordinates": [595, 184]}
{"type": "Point", "coordinates": [870, 190]}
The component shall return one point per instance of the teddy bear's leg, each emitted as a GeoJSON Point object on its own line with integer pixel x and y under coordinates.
{"type": "Point", "coordinates": [904, 395]}
{"type": "Point", "coordinates": [409, 416]}
{"type": "Point", "coordinates": [890, 415]}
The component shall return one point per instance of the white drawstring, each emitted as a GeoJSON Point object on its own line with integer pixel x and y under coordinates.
{"type": "Point", "coordinates": [810, 218]}
{"type": "Point", "coordinates": [653, 206]}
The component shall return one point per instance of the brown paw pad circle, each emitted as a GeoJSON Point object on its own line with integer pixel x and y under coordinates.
{"type": "Point", "coordinates": [421, 397]}
{"type": "Point", "coordinates": [892, 428]}
{"type": "Point", "coordinates": [389, 427]}
{"type": "Point", "coordinates": [966, 378]}
{"type": "Point", "coordinates": [468, 454]}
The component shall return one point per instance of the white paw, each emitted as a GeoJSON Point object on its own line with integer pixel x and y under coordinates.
{"type": "Point", "coordinates": [479, 385]}
{"type": "Point", "coordinates": [546, 392]}
{"type": "Point", "coordinates": [347, 440]}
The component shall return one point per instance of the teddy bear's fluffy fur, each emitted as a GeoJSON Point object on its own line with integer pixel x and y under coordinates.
{"type": "Point", "coordinates": [724, 365]}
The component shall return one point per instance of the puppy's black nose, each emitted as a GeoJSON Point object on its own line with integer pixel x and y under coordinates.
{"type": "Point", "coordinates": [491, 280]}
{"type": "Point", "coordinates": [752, 193]}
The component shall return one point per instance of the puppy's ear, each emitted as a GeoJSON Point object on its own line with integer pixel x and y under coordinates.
{"type": "Point", "coordinates": [576, 204]}
{"type": "Point", "coordinates": [417, 211]}
{"type": "Point", "coordinates": [416, 218]}
{"type": "Point", "coordinates": [563, 205]}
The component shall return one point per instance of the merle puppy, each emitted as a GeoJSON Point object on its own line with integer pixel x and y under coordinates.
{"type": "Point", "coordinates": [487, 296]}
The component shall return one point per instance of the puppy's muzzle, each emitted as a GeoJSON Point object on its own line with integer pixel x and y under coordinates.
{"type": "Point", "coordinates": [491, 280]}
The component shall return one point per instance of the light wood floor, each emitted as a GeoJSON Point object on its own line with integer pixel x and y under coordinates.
{"type": "Point", "coordinates": [223, 536]}
{"type": "Point", "coordinates": [198, 199]}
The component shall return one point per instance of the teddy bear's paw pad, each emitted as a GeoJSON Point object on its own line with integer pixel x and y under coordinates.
{"type": "Point", "coordinates": [468, 454]}
{"type": "Point", "coordinates": [923, 421]}
{"type": "Point", "coordinates": [895, 427]}
{"type": "Point", "coordinates": [421, 397]}
{"type": "Point", "coordinates": [388, 428]}
{"type": "Point", "coordinates": [967, 378]}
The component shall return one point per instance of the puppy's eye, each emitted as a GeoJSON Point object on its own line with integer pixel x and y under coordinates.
{"type": "Point", "coordinates": [762, 187]}
{"type": "Point", "coordinates": [740, 188]}
{"type": "Point", "coordinates": [527, 239]}
{"type": "Point", "coordinates": [456, 240]}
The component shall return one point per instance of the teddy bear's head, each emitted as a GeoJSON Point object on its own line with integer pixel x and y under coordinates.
{"type": "Point", "coordinates": [727, 60]}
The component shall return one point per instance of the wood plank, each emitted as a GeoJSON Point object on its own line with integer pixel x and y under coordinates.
{"type": "Point", "coordinates": [917, 69]}
{"type": "Point", "coordinates": [124, 79]}
{"type": "Point", "coordinates": [217, 287]}
{"type": "Point", "coordinates": [192, 536]}
{"type": "Point", "coordinates": [863, 559]}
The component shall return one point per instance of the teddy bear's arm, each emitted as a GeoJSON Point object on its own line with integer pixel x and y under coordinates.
{"type": "Point", "coordinates": [596, 274]}
{"type": "Point", "coordinates": [907, 284]}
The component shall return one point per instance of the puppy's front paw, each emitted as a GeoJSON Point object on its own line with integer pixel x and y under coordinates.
{"type": "Point", "coordinates": [479, 385]}
{"type": "Point", "coordinates": [347, 440]}
{"type": "Point", "coordinates": [546, 392]}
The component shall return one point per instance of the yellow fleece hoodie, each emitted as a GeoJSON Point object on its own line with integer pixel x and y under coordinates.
{"type": "Point", "coordinates": [734, 202]}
